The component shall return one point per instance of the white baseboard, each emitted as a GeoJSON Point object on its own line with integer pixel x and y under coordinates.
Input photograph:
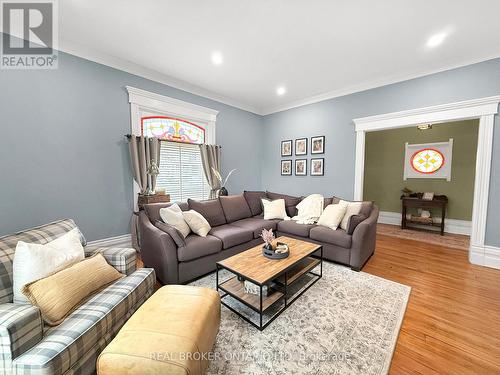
{"type": "Point", "coordinates": [119, 241]}
{"type": "Point", "coordinates": [450, 225]}
{"type": "Point", "coordinates": [488, 256]}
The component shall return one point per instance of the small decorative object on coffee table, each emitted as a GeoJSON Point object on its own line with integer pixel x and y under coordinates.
{"type": "Point", "coordinates": [280, 251]}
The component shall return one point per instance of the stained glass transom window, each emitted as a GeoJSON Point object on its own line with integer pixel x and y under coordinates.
{"type": "Point", "coordinates": [427, 161]}
{"type": "Point", "coordinates": [172, 129]}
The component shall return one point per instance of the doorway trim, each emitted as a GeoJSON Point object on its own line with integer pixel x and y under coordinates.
{"type": "Point", "coordinates": [483, 109]}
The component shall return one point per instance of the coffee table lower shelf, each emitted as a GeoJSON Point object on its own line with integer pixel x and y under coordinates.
{"type": "Point", "coordinates": [234, 287]}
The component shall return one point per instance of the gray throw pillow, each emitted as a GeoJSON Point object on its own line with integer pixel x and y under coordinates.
{"type": "Point", "coordinates": [354, 221]}
{"type": "Point", "coordinates": [172, 232]}
{"type": "Point", "coordinates": [235, 207]}
{"type": "Point", "coordinates": [210, 209]}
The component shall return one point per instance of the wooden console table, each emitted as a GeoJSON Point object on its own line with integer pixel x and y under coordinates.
{"type": "Point", "coordinates": [439, 201]}
{"type": "Point", "coordinates": [156, 198]}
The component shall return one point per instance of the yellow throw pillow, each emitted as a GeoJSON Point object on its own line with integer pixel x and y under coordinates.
{"type": "Point", "coordinates": [59, 294]}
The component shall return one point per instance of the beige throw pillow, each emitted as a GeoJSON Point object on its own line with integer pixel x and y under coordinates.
{"type": "Point", "coordinates": [333, 215]}
{"type": "Point", "coordinates": [173, 215]}
{"type": "Point", "coordinates": [197, 222]}
{"type": "Point", "coordinates": [274, 209]}
{"type": "Point", "coordinates": [59, 294]}
{"type": "Point", "coordinates": [353, 208]}
{"type": "Point", "coordinates": [34, 261]}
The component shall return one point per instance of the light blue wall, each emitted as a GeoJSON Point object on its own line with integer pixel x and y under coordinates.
{"type": "Point", "coordinates": [63, 151]}
{"type": "Point", "coordinates": [333, 118]}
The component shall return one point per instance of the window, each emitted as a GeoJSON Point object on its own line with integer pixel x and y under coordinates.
{"type": "Point", "coordinates": [172, 129]}
{"type": "Point", "coordinates": [427, 161]}
{"type": "Point", "coordinates": [181, 171]}
{"type": "Point", "coordinates": [182, 125]}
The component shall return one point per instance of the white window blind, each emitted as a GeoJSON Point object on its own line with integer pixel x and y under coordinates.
{"type": "Point", "coordinates": [181, 172]}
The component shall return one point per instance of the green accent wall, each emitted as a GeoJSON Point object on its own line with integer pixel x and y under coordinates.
{"type": "Point", "coordinates": [384, 162]}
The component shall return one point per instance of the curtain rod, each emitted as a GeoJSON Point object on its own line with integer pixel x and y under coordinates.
{"type": "Point", "coordinates": [128, 136]}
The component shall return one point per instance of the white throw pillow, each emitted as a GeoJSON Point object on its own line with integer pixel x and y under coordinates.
{"type": "Point", "coordinates": [274, 209]}
{"type": "Point", "coordinates": [197, 222]}
{"type": "Point", "coordinates": [333, 215]}
{"type": "Point", "coordinates": [34, 261]}
{"type": "Point", "coordinates": [353, 208]}
{"type": "Point", "coordinates": [173, 215]}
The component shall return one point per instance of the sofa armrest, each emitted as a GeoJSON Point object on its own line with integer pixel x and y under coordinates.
{"type": "Point", "coordinates": [364, 239]}
{"type": "Point", "coordinates": [122, 259]}
{"type": "Point", "coordinates": [21, 328]}
{"type": "Point", "coordinates": [159, 251]}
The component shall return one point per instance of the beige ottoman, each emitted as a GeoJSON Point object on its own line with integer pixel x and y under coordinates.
{"type": "Point", "coordinates": [171, 333]}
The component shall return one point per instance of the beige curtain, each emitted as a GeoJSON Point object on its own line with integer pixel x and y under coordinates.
{"type": "Point", "coordinates": [210, 158]}
{"type": "Point", "coordinates": [143, 150]}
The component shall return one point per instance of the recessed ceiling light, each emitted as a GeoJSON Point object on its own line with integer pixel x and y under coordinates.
{"type": "Point", "coordinates": [217, 58]}
{"type": "Point", "coordinates": [281, 91]}
{"type": "Point", "coordinates": [436, 39]}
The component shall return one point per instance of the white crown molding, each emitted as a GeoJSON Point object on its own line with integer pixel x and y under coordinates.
{"type": "Point", "coordinates": [141, 71]}
{"type": "Point", "coordinates": [450, 226]}
{"type": "Point", "coordinates": [124, 240]}
{"type": "Point", "coordinates": [79, 50]}
{"type": "Point", "coordinates": [368, 85]}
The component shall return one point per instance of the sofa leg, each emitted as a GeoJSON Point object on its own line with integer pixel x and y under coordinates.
{"type": "Point", "coordinates": [357, 269]}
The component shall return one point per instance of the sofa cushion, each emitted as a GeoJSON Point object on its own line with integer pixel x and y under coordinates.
{"type": "Point", "coordinates": [354, 220]}
{"type": "Point", "coordinates": [153, 209]}
{"type": "Point", "coordinates": [235, 207]}
{"type": "Point", "coordinates": [327, 202]}
{"type": "Point", "coordinates": [172, 231]}
{"type": "Point", "coordinates": [210, 209]}
{"type": "Point", "coordinates": [337, 237]}
{"type": "Point", "coordinates": [231, 235]}
{"type": "Point", "coordinates": [256, 224]}
{"type": "Point", "coordinates": [59, 294]}
{"type": "Point", "coordinates": [290, 202]}
{"type": "Point", "coordinates": [366, 206]}
{"type": "Point", "coordinates": [253, 199]}
{"type": "Point", "coordinates": [292, 227]}
{"type": "Point", "coordinates": [197, 247]}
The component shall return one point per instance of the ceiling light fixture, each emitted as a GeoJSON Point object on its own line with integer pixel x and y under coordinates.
{"type": "Point", "coordinates": [436, 40]}
{"type": "Point", "coordinates": [281, 91]}
{"type": "Point", "coordinates": [424, 126]}
{"type": "Point", "coordinates": [217, 58]}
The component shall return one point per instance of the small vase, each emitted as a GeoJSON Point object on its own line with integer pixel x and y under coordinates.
{"type": "Point", "coordinates": [223, 192]}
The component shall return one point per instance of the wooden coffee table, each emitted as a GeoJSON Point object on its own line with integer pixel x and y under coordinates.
{"type": "Point", "coordinates": [277, 274]}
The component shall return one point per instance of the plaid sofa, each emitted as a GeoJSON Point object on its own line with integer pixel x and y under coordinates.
{"type": "Point", "coordinates": [29, 347]}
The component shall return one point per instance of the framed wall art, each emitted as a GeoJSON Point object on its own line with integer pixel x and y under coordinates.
{"type": "Point", "coordinates": [286, 148]}
{"type": "Point", "coordinates": [318, 145]}
{"type": "Point", "coordinates": [300, 167]}
{"type": "Point", "coordinates": [428, 160]}
{"type": "Point", "coordinates": [301, 146]}
{"type": "Point", "coordinates": [317, 167]}
{"type": "Point", "coordinates": [286, 167]}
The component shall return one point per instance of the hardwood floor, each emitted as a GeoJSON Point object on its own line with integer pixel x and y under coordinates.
{"type": "Point", "coordinates": [452, 322]}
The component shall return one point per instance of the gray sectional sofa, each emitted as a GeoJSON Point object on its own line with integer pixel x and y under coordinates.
{"type": "Point", "coordinates": [237, 222]}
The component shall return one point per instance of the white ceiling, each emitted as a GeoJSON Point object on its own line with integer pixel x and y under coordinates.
{"type": "Point", "coordinates": [315, 48]}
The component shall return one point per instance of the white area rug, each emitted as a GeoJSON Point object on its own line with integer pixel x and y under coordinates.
{"type": "Point", "coordinates": [346, 323]}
